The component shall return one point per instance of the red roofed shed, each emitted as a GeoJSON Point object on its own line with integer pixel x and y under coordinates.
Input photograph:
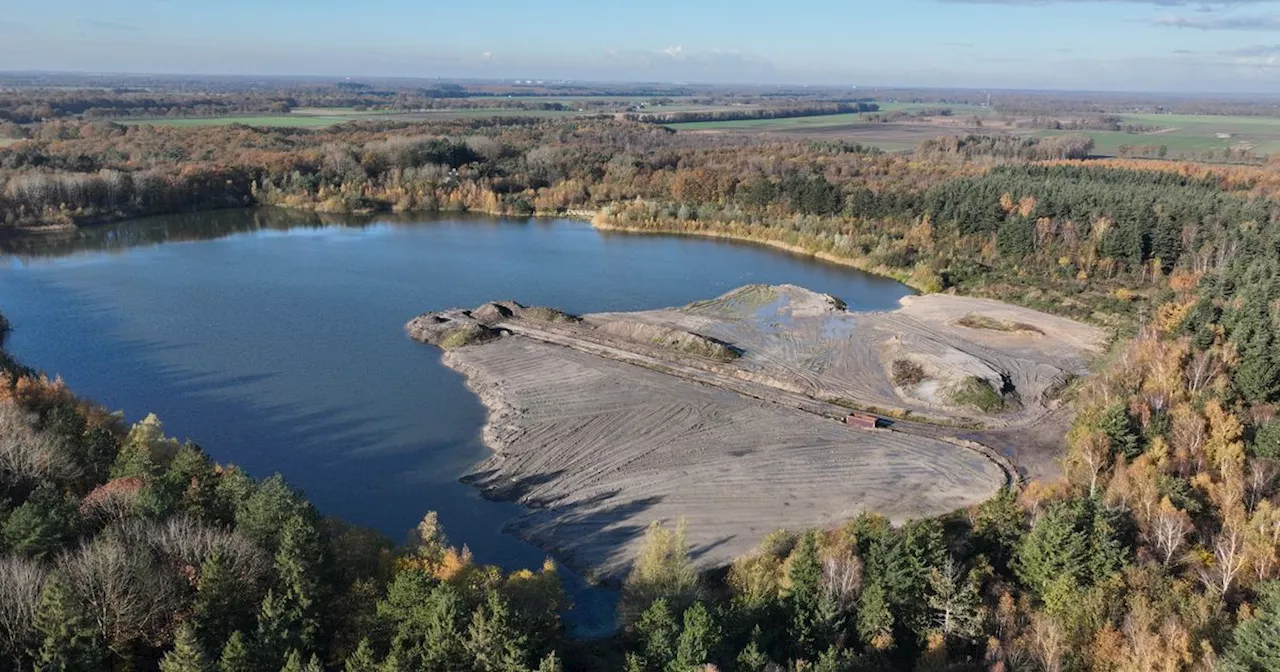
{"type": "Point", "coordinates": [862, 421]}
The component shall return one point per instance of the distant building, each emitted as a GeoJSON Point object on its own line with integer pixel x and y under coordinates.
{"type": "Point", "coordinates": [862, 421]}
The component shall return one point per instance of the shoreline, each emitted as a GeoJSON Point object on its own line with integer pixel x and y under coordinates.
{"type": "Point", "coordinates": [599, 223]}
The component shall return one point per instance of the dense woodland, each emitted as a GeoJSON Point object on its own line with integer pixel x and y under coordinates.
{"type": "Point", "coordinates": [1158, 548]}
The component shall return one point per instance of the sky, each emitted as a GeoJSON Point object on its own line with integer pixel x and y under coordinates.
{"type": "Point", "coordinates": [1230, 46]}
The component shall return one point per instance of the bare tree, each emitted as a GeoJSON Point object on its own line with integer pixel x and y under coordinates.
{"type": "Point", "coordinates": [28, 455]}
{"type": "Point", "coordinates": [20, 582]}
{"type": "Point", "coordinates": [842, 579]}
{"type": "Point", "coordinates": [1047, 642]}
{"type": "Point", "coordinates": [1169, 529]}
{"type": "Point", "coordinates": [1258, 482]}
{"type": "Point", "coordinates": [1228, 559]}
{"type": "Point", "coordinates": [128, 595]}
{"type": "Point", "coordinates": [187, 544]}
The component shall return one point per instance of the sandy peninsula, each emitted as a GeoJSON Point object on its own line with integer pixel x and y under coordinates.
{"type": "Point", "coordinates": [728, 413]}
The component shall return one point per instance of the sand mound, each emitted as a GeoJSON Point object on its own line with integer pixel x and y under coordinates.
{"type": "Point", "coordinates": [676, 340]}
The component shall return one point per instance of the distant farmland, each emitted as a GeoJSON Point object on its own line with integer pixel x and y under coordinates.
{"type": "Point", "coordinates": [322, 117]}
{"type": "Point", "coordinates": [1188, 134]}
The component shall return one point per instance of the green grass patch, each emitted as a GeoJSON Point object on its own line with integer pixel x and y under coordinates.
{"type": "Point", "coordinates": [975, 321]}
{"type": "Point", "coordinates": [550, 315]}
{"type": "Point", "coordinates": [471, 334]}
{"type": "Point", "coordinates": [977, 393]}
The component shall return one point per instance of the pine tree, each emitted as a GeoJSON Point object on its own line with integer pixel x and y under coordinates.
{"type": "Point", "coordinates": [274, 638]}
{"type": "Point", "coordinates": [698, 641]}
{"type": "Point", "coordinates": [298, 569]}
{"type": "Point", "coordinates": [1118, 427]}
{"type": "Point", "coordinates": [494, 644]}
{"type": "Point", "coordinates": [219, 607]}
{"type": "Point", "coordinates": [551, 663]}
{"type": "Point", "coordinates": [752, 659]}
{"type": "Point", "coordinates": [1256, 643]}
{"type": "Point", "coordinates": [1051, 549]}
{"type": "Point", "coordinates": [70, 643]}
{"type": "Point", "coordinates": [803, 597]}
{"type": "Point", "coordinates": [292, 662]}
{"type": "Point", "coordinates": [875, 620]}
{"type": "Point", "coordinates": [658, 632]}
{"type": "Point", "coordinates": [186, 654]}
{"type": "Point", "coordinates": [236, 656]}
{"type": "Point", "coordinates": [362, 659]}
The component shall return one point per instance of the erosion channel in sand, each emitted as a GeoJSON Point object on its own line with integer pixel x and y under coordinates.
{"type": "Point", "coordinates": [728, 413]}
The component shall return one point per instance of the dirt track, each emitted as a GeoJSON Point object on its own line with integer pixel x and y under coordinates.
{"type": "Point", "coordinates": [601, 432]}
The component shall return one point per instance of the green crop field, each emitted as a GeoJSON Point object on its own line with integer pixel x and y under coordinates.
{"type": "Point", "coordinates": [1191, 134]}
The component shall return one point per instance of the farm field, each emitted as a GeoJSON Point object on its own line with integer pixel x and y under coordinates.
{"type": "Point", "coordinates": [322, 117]}
{"type": "Point", "coordinates": [1188, 134]}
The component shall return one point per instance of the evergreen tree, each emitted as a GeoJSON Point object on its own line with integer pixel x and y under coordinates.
{"type": "Point", "coordinates": [550, 663]}
{"type": "Point", "coordinates": [658, 633]}
{"type": "Point", "coordinates": [292, 662]}
{"type": "Point", "coordinates": [803, 597]}
{"type": "Point", "coordinates": [220, 606]}
{"type": "Point", "coordinates": [875, 620]}
{"type": "Point", "coordinates": [426, 620]}
{"type": "Point", "coordinates": [186, 654]}
{"type": "Point", "coordinates": [1118, 427]}
{"type": "Point", "coordinates": [362, 659]}
{"type": "Point", "coordinates": [1266, 442]}
{"type": "Point", "coordinates": [752, 659]}
{"type": "Point", "coordinates": [1051, 549]}
{"type": "Point", "coordinates": [494, 644]}
{"type": "Point", "coordinates": [1256, 642]}
{"type": "Point", "coordinates": [698, 641]}
{"type": "Point", "coordinates": [236, 656]}
{"type": "Point", "coordinates": [45, 524]}
{"type": "Point", "coordinates": [69, 641]}
{"type": "Point", "coordinates": [998, 526]}
{"type": "Point", "coordinates": [276, 631]}
{"type": "Point", "coordinates": [300, 570]}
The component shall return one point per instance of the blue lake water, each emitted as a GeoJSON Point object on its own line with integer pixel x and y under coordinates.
{"type": "Point", "coordinates": [275, 340]}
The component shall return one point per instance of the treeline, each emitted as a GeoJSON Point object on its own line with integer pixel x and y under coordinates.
{"type": "Point", "coordinates": [809, 110]}
{"type": "Point", "coordinates": [1101, 122]}
{"type": "Point", "coordinates": [1007, 147]}
{"type": "Point", "coordinates": [976, 213]}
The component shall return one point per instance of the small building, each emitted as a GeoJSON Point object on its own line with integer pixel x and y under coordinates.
{"type": "Point", "coordinates": [862, 420]}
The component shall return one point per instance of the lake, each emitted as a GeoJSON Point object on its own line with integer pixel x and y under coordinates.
{"type": "Point", "coordinates": [275, 340]}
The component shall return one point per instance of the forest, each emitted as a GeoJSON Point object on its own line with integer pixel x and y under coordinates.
{"type": "Point", "coordinates": [1157, 549]}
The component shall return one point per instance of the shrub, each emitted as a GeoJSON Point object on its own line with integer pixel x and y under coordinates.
{"type": "Point", "coordinates": [544, 314]}
{"type": "Point", "coordinates": [907, 373]}
{"type": "Point", "coordinates": [471, 334]}
{"type": "Point", "coordinates": [977, 393]}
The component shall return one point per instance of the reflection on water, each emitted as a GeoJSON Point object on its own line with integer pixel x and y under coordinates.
{"type": "Point", "coordinates": [274, 339]}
